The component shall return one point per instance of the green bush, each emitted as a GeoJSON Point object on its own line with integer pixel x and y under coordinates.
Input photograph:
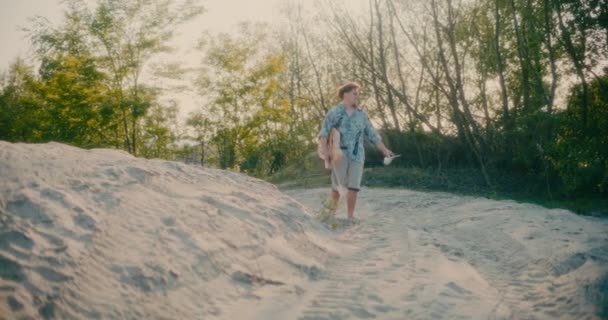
{"type": "Point", "coordinates": [420, 149]}
{"type": "Point", "coordinates": [580, 152]}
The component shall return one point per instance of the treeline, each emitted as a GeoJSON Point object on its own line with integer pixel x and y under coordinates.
{"type": "Point", "coordinates": [516, 86]}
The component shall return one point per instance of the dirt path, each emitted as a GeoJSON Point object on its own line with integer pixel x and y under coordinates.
{"type": "Point", "coordinates": [421, 255]}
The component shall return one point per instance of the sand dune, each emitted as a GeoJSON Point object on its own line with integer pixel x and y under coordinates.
{"type": "Point", "coordinates": [88, 234]}
{"type": "Point", "coordinates": [101, 234]}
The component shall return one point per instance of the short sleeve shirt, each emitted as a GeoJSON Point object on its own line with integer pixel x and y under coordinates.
{"type": "Point", "coordinates": [352, 129]}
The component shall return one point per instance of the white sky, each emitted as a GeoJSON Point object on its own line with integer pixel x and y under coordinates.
{"type": "Point", "coordinates": [221, 16]}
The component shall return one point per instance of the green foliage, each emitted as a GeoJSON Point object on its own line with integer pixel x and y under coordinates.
{"type": "Point", "coordinates": [73, 98]}
{"type": "Point", "coordinates": [158, 131]}
{"type": "Point", "coordinates": [422, 149]}
{"type": "Point", "coordinates": [327, 213]}
{"type": "Point", "coordinates": [305, 172]}
{"type": "Point", "coordinates": [248, 119]}
{"type": "Point", "coordinates": [89, 89]}
{"type": "Point", "coordinates": [20, 116]}
{"type": "Point", "coordinates": [580, 153]}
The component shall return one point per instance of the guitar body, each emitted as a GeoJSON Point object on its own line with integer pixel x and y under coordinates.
{"type": "Point", "coordinates": [333, 145]}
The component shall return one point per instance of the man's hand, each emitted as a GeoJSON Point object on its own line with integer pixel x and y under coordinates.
{"type": "Point", "coordinates": [385, 151]}
{"type": "Point", "coordinates": [388, 153]}
{"type": "Point", "coordinates": [324, 148]}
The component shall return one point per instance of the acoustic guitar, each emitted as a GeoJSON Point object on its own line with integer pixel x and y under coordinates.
{"type": "Point", "coordinates": [333, 145]}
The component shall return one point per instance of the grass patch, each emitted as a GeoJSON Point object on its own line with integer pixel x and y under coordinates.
{"type": "Point", "coordinates": [310, 173]}
{"type": "Point", "coordinates": [327, 213]}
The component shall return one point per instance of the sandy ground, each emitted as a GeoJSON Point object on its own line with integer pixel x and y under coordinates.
{"type": "Point", "coordinates": [99, 234]}
{"type": "Point", "coordinates": [441, 256]}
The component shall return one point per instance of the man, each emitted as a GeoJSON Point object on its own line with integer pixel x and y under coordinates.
{"type": "Point", "coordinates": [353, 124]}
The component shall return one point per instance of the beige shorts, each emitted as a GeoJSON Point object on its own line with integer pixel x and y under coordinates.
{"type": "Point", "coordinates": [347, 174]}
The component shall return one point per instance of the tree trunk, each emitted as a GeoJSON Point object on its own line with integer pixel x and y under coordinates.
{"type": "Point", "coordinates": [550, 47]}
{"type": "Point", "coordinates": [410, 119]}
{"type": "Point", "coordinates": [456, 90]}
{"type": "Point", "coordinates": [501, 68]}
{"type": "Point", "coordinates": [374, 72]}
{"type": "Point", "coordinates": [316, 71]}
{"type": "Point", "coordinates": [383, 67]}
{"type": "Point", "coordinates": [578, 62]}
{"type": "Point", "coordinates": [523, 65]}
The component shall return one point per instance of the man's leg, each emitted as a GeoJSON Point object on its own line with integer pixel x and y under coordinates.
{"type": "Point", "coordinates": [338, 181]}
{"type": "Point", "coordinates": [355, 172]}
{"type": "Point", "coordinates": [335, 199]}
{"type": "Point", "coordinates": [351, 201]}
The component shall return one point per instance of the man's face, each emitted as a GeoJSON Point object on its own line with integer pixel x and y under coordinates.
{"type": "Point", "coordinates": [352, 96]}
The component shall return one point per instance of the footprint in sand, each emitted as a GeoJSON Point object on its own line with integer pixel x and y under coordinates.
{"type": "Point", "coordinates": [385, 309]}
{"type": "Point", "coordinates": [453, 290]}
{"type": "Point", "coordinates": [24, 207]}
{"type": "Point", "coordinates": [14, 304]}
{"type": "Point", "coordinates": [375, 298]}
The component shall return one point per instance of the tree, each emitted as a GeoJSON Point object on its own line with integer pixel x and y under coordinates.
{"type": "Point", "coordinates": [131, 33]}
{"type": "Point", "coordinates": [20, 116]}
{"type": "Point", "coordinates": [73, 97]}
{"type": "Point", "coordinates": [202, 128]}
{"type": "Point", "coordinates": [580, 153]}
{"type": "Point", "coordinates": [122, 37]}
{"type": "Point", "coordinates": [582, 34]}
{"type": "Point", "coordinates": [159, 131]}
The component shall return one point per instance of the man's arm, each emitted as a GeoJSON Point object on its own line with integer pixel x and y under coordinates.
{"type": "Point", "coordinates": [375, 138]}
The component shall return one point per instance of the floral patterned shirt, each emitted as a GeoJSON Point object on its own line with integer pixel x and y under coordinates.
{"type": "Point", "coordinates": [352, 130]}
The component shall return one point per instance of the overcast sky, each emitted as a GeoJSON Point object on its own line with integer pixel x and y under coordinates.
{"type": "Point", "coordinates": [221, 15]}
